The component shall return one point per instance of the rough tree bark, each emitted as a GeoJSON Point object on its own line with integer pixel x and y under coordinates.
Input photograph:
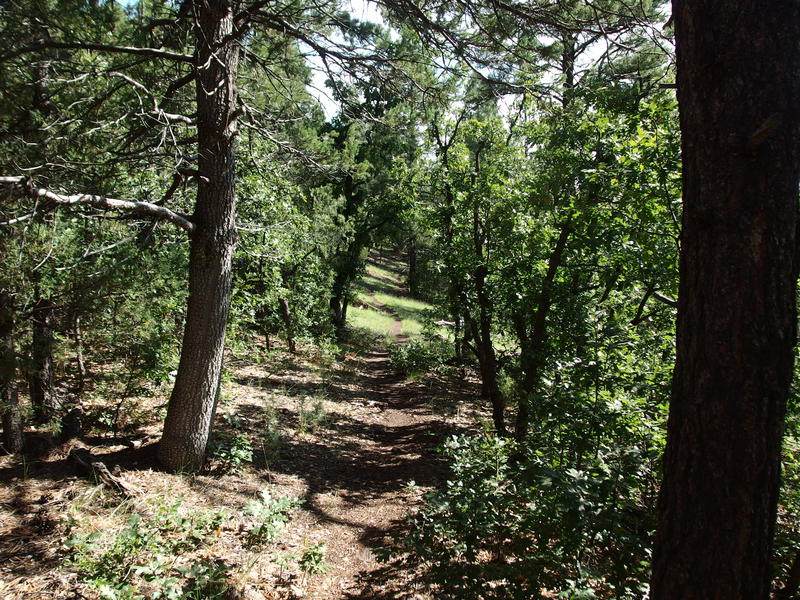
{"type": "Point", "coordinates": [739, 97]}
{"type": "Point", "coordinates": [193, 401]}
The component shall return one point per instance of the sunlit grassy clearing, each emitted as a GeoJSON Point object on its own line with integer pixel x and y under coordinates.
{"type": "Point", "coordinates": [370, 319]}
{"type": "Point", "coordinates": [379, 318]}
{"type": "Point", "coordinates": [407, 308]}
{"type": "Point", "coordinates": [411, 312]}
{"type": "Point", "coordinates": [364, 298]}
{"type": "Point", "coordinates": [378, 285]}
{"type": "Point", "coordinates": [383, 273]}
{"type": "Point", "coordinates": [411, 327]}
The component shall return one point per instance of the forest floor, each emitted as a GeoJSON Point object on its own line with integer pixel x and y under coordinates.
{"type": "Point", "coordinates": [344, 434]}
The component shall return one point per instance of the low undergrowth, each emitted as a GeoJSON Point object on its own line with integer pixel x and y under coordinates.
{"type": "Point", "coordinates": [163, 550]}
{"type": "Point", "coordinates": [150, 556]}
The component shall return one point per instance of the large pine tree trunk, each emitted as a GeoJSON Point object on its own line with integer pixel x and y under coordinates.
{"type": "Point", "coordinates": [193, 402]}
{"type": "Point", "coordinates": [739, 97]}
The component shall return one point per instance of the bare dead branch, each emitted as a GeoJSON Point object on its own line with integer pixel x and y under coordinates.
{"type": "Point", "coordinates": [665, 299]}
{"type": "Point", "coordinates": [145, 209]}
{"type": "Point", "coordinates": [110, 48]}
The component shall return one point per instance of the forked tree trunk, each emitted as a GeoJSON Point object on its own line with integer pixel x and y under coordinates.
{"type": "Point", "coordinates": [532, 340]}
{"type": "Point", "coordinates": [9, 396]}
{"type": "Point", "coordinates": [739, 98]}
{"type": "Point", "coordinates": [193, 402]}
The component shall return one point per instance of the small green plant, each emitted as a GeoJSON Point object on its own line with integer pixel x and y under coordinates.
{"type": "Point", "coordinates": [270, 516]}
{"type": "Point", "coordinates": [312, 561]}
{"type": "Point", "coordinates": [207, 579]}
{"type": "Point", "coordinates": [311, 417]}
{"type": "Point", "coordinates": [270, 440]}
{"type": "Point", "coordinates": [284, 561]}
{"type": "Point", "coordinates": [141, 560]}
{"type": "Point", "coordinates": [231, 452]}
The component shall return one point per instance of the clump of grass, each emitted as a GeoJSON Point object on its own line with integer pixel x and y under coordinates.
{"type": "Point", "coordinates": [270, 440]}
{"type": "Point", "coordinates": [378, 272]}
{"type": "Point", "coordinates": [311, 414]}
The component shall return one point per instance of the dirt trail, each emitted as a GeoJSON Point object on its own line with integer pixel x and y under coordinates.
{"type": "Point", "coordinates": [357, 479]}
{"type": "Point", "coordinates": [397, 326]}
{"type": "Point", "coordinates": [355, 474]}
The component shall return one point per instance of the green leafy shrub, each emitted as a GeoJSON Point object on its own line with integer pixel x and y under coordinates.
{"type": "Point", "coordinates": [142, 559]}
{"type": "Point", "coordinates": [508, 524]}
{"type": "Point", "coordinates": [230, 452]}
{"type": "Point", "coordinates": [420, 356]}
{"type": "Point", "coordinates": [787, 531]}
{"type": "Point", "coordinates": [270, 516]}
{"type": "Point", "coordinates": [312, 561]}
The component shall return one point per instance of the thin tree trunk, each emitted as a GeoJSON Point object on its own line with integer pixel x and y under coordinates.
{"type": "Point", "coordinates": [458, 341]}
{"type": "Point", "coordinates": [413, 272]}
{"type": "Point", "coordinates": [738, 93]}
{"type": "Point", "coordinates": [44, 400]}
{"type": "Point", "coordinates": [483, 332]}
{"type": "Point", "coordinates": [532, 356]}
{"type": "Point", "coordinates": [9, 395]}
{"type": "Point", "coordinates": [338, 300]}
{"type": "Point", "coordinates": [193, 401]}
{"type": "Point", "coordinates": [487, 359]}
{"type": "Point", "coordinates": [77, 337]}
{"type": "Point", "coordinates": [337, 315]}
{"type": "Point", "coordinates": [288, 323]}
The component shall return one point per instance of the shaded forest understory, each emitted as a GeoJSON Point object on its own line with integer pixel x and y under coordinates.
{"type": "Point", "coordinates": [349, 440]}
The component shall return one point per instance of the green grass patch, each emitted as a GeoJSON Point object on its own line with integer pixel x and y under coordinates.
{"type": "Point", "coordinates": [383, 273]}
{"type": "Point", "coordinates": [378, 285]}
{"type": "Point", "coordinates": [372, 320]}
{"type": "Point", "coordinates": [386, 281]}
{"type": "Point", "coordinates": [407, 308]}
